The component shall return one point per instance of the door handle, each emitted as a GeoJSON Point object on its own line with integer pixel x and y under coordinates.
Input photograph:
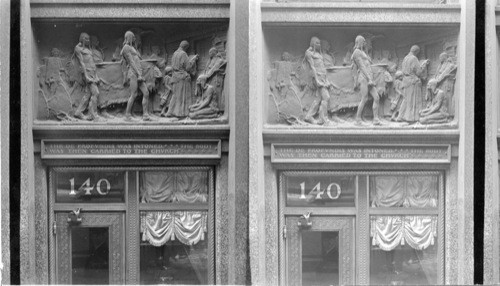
{"type": "Point", "coordinates": [74, 217]}
{"type": "Point", "coordinates": [305, 220]}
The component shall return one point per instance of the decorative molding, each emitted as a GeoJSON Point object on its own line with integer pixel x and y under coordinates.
{"type": "Point", "coordinates": [58, 131]}
{"type": "Point", "coordinates": [282, 135]}
{"type": "Point", "coordinates": [359, 153]}
{"type": "Point", "coordinates": [273, 238]}
{"type": "Point", "coordinates": [211, 225]}
{"type": "Point", "coordinates": [360, 252]}
{"type": "Point", "coordinates": [63, 252]}
{"type": "Point", "coordinates": [357, 13]}
{"type": "Point", "coordinates": [283, 257]}
{"type": "Point", "coordinates": [363, 231]}
{"type": "Point", "coordinates": [451, 226]}
{"type": "Point", "coordinates": [441, 231]}
{"type": "Point", "coordinates": [345, 227]}
{"type": "Point", "coordinates": [131, 149]}
{"type": "Point", "coordinates": [52, 221]}
{"type": "Point", "coordinates": [42, 226]}
{"type": "Point", "coordinates": [63, 243]}
{"type": "Point", "coordinates": [91, 9]}
{"type": "Point", "coordinates": [132, 255]}
{"type": "Point", "coordinates": [221, 223]}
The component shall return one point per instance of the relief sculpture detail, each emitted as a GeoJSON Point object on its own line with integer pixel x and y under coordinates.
{"type": "Point", "coordinates": [365, 89]}
{"type": "Point", "coordinates": [81, 86]}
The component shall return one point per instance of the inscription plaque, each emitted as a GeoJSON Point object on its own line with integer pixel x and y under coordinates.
{"type": "Point", "coordinates": [336, 153]}
{"type": "Point", "coordinates": [127, 149]}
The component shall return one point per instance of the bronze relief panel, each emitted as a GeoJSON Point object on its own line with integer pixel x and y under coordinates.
{"type": "Point", "coordinates": [361, 77]}
{"type": "Point", "coordinates": [170, 73]}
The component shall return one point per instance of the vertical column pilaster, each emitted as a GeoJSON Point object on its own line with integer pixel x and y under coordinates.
{"type": "Point", "coordinates": [27, 188]}
{"type": "Point", "coordinates": [465, 190]}
{"type": "Point", "coordinates": [257, 176]}
{"type": "Point", "coordinates": [238, 167]}
{"type": "Point", "coordinates": [491, 236]}
{"type": "Point", "coordinates": [4, 141]}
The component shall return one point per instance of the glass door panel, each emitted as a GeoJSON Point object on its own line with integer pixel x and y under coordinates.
{"type": "Point", "coordinates": [322, 253]}
{"type": "Point", "coordinates": [90, 252]}
{"type": "Point", "coordinates": [320, 258]}
{"type": "Point", "coordinates": [90, 255]}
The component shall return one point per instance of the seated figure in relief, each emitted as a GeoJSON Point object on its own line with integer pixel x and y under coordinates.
{"type": "Point", "coordinates": [437, 111]}
{"type": "Point", "coordinates": [207, 104]}
{"type": "Point", "coordinates": [214, 63]}
{"type": "Point", "coordinates": [445, 76]}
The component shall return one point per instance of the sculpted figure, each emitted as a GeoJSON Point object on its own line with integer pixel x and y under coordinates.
{"type": "Point", "coordinates": [364, 79]}
{"type": "Point", "coordinates": [437, 111]}
{"type": "Point", "coordinates": [134, 76]}
{"type": "Point", "coordinates": [97, 52]}
{"type": "Point", "coordinates": [412, 86]}
{"type": "Point", "coordinates": [214, 63]}
{"type": "Point", "coordinates": [319, 106]}
{"type": "Point", "coordinates": [90, 79]}
{"type": "Point", "coordinates": [181, 82]}
{"type": "Point", "coordinates": [53, 74]}
{"type": "Point", "coordinates": [155, 54]}
{"type": "Point", "coordinates": [116, 54]}
{"type": "Point", "coordinates": [445, 77]}
{"type": "Point", "coordinates": [167, 95]}
{"type": "Point", "coordinates": [396, 101]}
{"type": "Point", "coordinates": [138, 34]}
{"type": "Point", "coordinates": [206, 106]}
{"type": "Point", "coordinates": [328, 57]}
{"type": "Point", "coordinates": [286, 57]}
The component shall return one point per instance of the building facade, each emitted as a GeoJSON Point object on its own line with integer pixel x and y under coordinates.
{"type": "Point", "coordinates": [492, 193]}
{"type": "Point", "coordinates": [247, 142]}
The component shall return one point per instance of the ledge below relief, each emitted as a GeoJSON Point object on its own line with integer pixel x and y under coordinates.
{"type": "Point", "coordinates": [47, 131]}
{"type": "Point", "coordinates": [360, 136]}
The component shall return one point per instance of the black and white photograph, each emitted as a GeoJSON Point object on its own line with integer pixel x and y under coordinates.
{"type": "Point", "coordinates": [250, 142]}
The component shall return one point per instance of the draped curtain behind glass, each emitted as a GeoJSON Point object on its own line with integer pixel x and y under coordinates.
{"type": "Point", "coordinates": [159, 227]}
{"type": "Point", "coordinates": [419, 232]}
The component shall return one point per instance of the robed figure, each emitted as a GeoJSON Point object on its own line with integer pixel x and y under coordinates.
{"type": "Point", "coordinates": [445, 76]}
{"type": "Point", "coordinates": [412, 86]}
{"type": "Point", "coordinates": [182, 67]}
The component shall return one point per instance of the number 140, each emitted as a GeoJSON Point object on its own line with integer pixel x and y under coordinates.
{"type": "Point", "coordinates": [88, 188]}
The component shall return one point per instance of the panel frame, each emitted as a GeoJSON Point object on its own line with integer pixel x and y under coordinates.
{"type": "Point", "coordinates": [130, 211]}
{"type": "Point", "coordinates": [113, 221]}
{"type": "Point", "coordinates": [209, 207]}
{"type": "Point", "coordinates": [344, 225]}
{"type": "Point", "coordinates": [361, 214]}
{"type": "Point", "coordinates": [439, 212]}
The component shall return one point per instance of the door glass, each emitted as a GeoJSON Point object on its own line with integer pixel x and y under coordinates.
{"type": "Point", "coordinates": [174, 247]}
{"type": "Point", "coordinates": [90, 255]}
{"type": "Point", "coordinates": [403, 250]}
{"type": "Point", "coordinates": [320, 258]}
